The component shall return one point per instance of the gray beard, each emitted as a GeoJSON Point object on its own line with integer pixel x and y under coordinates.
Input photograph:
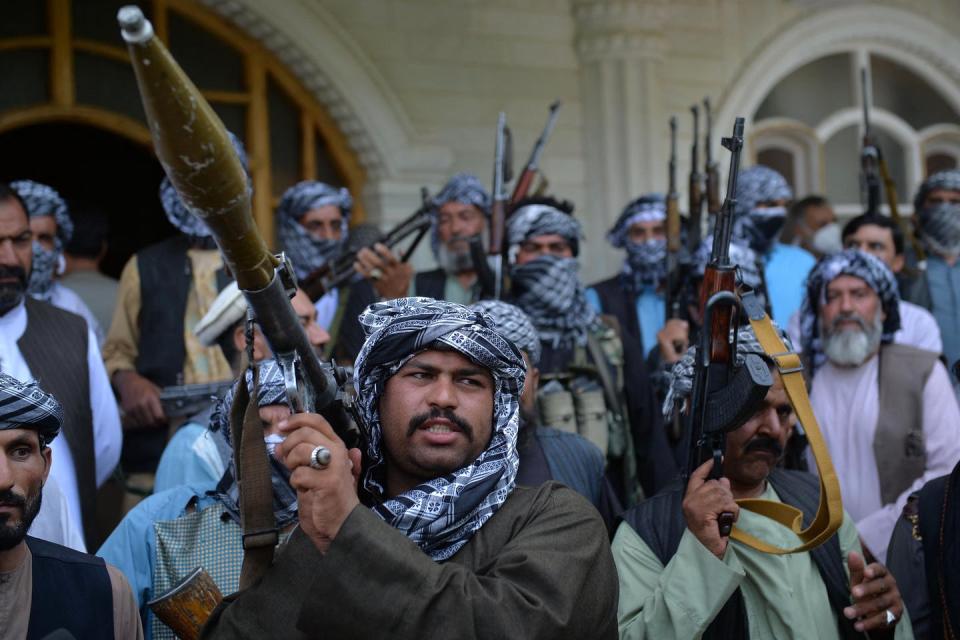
{"type": "Point", "coordinates": [852, 347]}
{"type": "Point", "coordinates": [454, 262]}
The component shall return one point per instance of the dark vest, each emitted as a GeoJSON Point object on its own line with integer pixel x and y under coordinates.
{"type": "Point", "coordinates": [165, 279]}
{"type": "Point", "coordinates": [346, 333]}
{"type": "Point", "coordinates": [618, 303]}
{"type": "Point", "coordinates": [898, 444]}
{"type": "Point", "coordinates": [54, 346]}
{"type": "Point", "coordinates": [939, 523]}
{"type": "Point", "coordinates": [659, 521]}
{"type": "Point", "coordinates": [71, 591]}
{"type": "Point", "coordinates": [430, 284]}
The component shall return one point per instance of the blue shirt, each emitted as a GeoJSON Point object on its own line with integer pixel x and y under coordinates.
{"type": "Point", "coordinates": [785, 270]}
{"type": "Point", "coordinates": [651, 314]}
{"type": "Point", "coordinates": [190, 458]}
{"type": "Point", "coordinates": [132, 547]}
{"type": "Point", "coordinates": [944, 285]}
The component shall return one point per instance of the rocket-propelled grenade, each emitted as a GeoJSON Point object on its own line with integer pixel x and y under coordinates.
{"type": "Point", "coordinates": [196, 154]}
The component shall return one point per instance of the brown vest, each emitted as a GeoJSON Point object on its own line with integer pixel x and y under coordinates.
{"type": "Point", "coordinates": [898, 444]}
{"type": "Point", "coordinates": [54, 346]}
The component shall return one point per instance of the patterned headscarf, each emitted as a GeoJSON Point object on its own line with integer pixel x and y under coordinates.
{"type": "Point", "coordinates": [464, 188]}
{"type": "Point", "coordinates": [513, 324]}
{"type": "Point", "coordinates": [177, 212]}
{"type": "Point", "coordinates": [946, 180]}
{"type": "Point", "coordinates": [442, 514]}
{"type": "Point", "coordinates": [24, 405]}
{"type": "Point", "coordinates": [849, 262]}
{"type": "Point", "coordinates": [940, 228]}
{"type": "Point", "coordinates": [645, 265]}
{"type": "Point", "coordinates": [271, 391]}
{"type": "Point", "coordinates": [541, 220]}
{"type": "Point", "coordinates": [681, 375]}
{"type": "Point", "coordinates": [306, 252]}
{"type": "Point", "coordinates": [550, 292]}
{"type": "Point", "coordinates": [42, 200]}
{"type": "Point", "coordinates": [756, 227]}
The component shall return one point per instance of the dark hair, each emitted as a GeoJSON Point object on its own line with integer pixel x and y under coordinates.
{"type": "Point", "coordinates": [563, 205]}
{"type": "Point", "coordinates": [796, 212]}
{"type": "Point", "coordinates": [879, 221]}
{"type": "Point", "coordinates": [9, 193]}
{"type": "Point", "coordinates": [90, 228]}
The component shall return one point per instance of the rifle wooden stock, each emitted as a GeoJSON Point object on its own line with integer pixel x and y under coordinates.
{"type": "Point", "coordinates": [187, 607]}
{"type": "Point", "coordinates": [710, 167]}
{"type": "Point", "coordinates": [715, 280]}
{"type": "Point", "coordinates": [522, 189]}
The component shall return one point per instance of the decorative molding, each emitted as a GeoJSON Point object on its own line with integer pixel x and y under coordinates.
{"type": "Point", "coordinates": [620, 28]}
{"type": "Point", "coordinates": [318, 51]}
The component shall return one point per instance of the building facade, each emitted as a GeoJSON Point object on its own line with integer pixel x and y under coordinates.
{"type": "Point", "coordinates": [386, 96]}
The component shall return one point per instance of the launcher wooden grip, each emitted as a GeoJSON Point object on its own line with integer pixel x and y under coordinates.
{"type": "Point", "coordinates": [187, 607]}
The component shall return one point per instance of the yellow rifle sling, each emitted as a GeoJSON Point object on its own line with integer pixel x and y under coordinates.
{"type": "Point", "coordinates": [830, 510]}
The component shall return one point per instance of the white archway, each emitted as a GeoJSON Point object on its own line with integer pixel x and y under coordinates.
{"type": "Point", "coordinates": [919, 44]}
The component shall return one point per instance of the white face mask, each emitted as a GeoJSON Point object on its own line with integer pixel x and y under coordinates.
{"type": "Point", "coordinates": [827, 240]}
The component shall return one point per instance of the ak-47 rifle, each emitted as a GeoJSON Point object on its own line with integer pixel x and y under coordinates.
{"type": "Point", "coordinates": [696, 199]}
{"type": "Point", "coordinates": [711, 170]}
{"type": "Point", "coordinates": [502, 173]}
{"type": "Point", "coordinates": [522, 188]}
{"type": "Point", "coordinates": [672, 292]}
{"type": "Point", "coordinates": [192, 145]}
{"type": "Point", "coordinates": [873, 170]}
{"type": "Point", "coordinates": [183, 400]}
{"type": "Point", "coordinates": [724, 394]}
{"type": "Point", "coordinates": [339, 271]}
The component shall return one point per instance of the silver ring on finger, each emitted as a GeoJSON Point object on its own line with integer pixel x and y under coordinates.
{"type": "Point", "coordinates": [320, 458]}
{"type": "Point", "coordinates": [376, 273]}
{"type": "Point", "coordinates": [891, 619]}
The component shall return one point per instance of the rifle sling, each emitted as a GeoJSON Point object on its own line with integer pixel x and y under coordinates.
{"type": "Point", "coordinates": [260, 534]}
{"type": "Point", "coordinates": [829, 514]}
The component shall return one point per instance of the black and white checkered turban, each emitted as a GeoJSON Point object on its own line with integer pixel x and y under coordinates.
{"type": "Point", "coordinates": [270, 392]}
{"type": "Point", "coordinates": [306, 252]}
{"type": "Point", "coordinates": [849, 262]}
{"type": "Point", "coordinates": [947, 180]}
{"type": "Point", "coordinates": [442, 514]}
{"type": "Point", "coordinates": [24, 405]}
{"type": "Point", "coordinates": [177, 212]}
{"type": "Point", "coordinates": [464, 188]}
{"type": "Point", "coordinates": [42, 200]}
{"type": "Point", "coordinates": [540, 220]}
{"type": "Point", "coordinates": [647, 208]}
{"type": "Point", "coordinates": [511, 322]}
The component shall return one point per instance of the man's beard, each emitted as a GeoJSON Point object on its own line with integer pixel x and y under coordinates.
{"type": "Point", "coordinates": [458, 260]}
{"type": "Point", "coordinates": [12, 535]}
{"type": "Point", "coordinates": [850, 347]}
{"type": "Point", "coordinates": [11, 293]}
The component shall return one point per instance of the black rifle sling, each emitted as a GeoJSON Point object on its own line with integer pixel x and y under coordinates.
{"type": "Point", "coordinates": [260, 534]}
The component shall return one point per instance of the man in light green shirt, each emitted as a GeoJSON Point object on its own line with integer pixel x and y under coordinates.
{"type": "Point", "coordinates": [680, 579]}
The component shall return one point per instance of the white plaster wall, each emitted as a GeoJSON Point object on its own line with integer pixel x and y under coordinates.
{"type": "Point", "coordinates": [417, 84]}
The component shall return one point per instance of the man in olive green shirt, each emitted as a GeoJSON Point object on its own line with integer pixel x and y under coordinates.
{"type": "Point", "coordinates": [680, 579]}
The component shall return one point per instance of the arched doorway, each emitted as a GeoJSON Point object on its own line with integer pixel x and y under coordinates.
{"type": "Point", "coordinates": [65, 65]}
{"type": "Point", "coordinates": [121, 183]}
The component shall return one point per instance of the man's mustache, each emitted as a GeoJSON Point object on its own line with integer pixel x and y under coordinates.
{"type": "Point", "coordinates": [764, 443]}
{"type": "Point", "coordinates": [9, 271]}
{"type": "Point", "coordinates": [848, 317]}
{"type": "Point", "coordinates": [10, 499]}
{"type": "Point", "coordinates": [417, 421]}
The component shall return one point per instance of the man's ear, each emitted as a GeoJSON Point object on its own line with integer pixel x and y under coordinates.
{"type": "Point", "coordinates": [47, 454]}
{"type": "Point", "coordinates": [533, 377]}
{"type": "Point", "coordinates": [898, 262]}
{"type": "Point", "coordinates": [240, 338]}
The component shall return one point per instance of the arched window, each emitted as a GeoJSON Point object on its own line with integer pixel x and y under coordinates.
{"type": "Point", "coordinates": [65, 65]}
{"type": "Point", "coordinates": [810, 126]}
